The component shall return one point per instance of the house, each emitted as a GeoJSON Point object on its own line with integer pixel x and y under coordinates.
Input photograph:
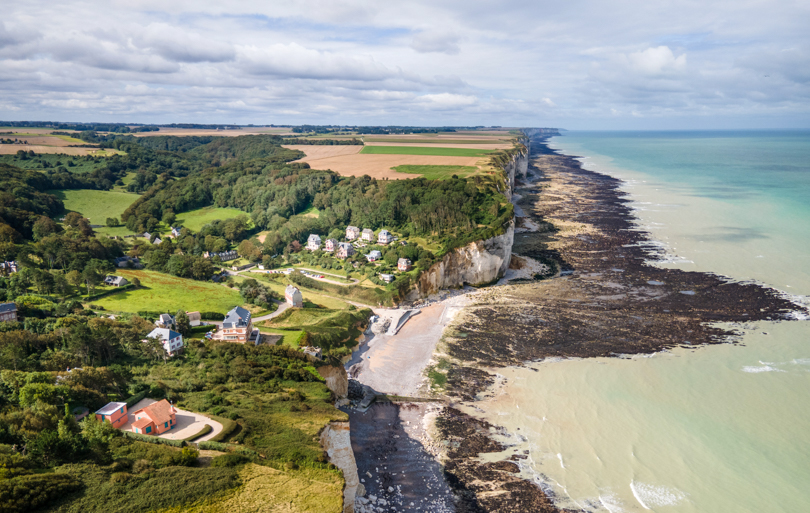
{"type": "Point", "coordinates": [155, 419]}
{"type": "Point", "coordinates": [172, 341]}
{"type": "Point", "coordinates": [128, 261]}
{"type": "Point", "coordinates": [404, 264]}
{"type": "Point", "coordinates": [147, 235]}
{"type": "Point", "coordinates": [384, 237]}
{"type": "Point", "coordinates": [115, 281]}
{"type": "Point", "coordinates": [344, 250]}
{"type": "Point", "coordinates": [261, 267]}
{"type": "Point", "coordinates": [223, 256]}
{"type": "Point", "coordinates": [8, 267]}
{"type": "Point", "coordinates": [313, 242]}
{"type": "Point", "coordinates": [8, 312]}
{"type": "Point", "coordinates": [114, 413]}
{"type": "Point", "coordinates": [194, 318]}
{"type": "Point", "coordinates": [330, 245]}
{"type": "Point", "coordinates": [237, 327]}
{"type": "Point", "coordinates": [373, 256]}
{"type": "Point", "coordinates": [367, 234]}
{"type": "Point", "coordinates": [387, 278]}
{"type": "Point", "coordinates": [176, 231]}
{"type": "Point", "coordinates": [352, 232]}
{"type": "Point", "coordinates": [165, 321]}
{"type": "Point", "coordinates": [157, 241]}
{"type": "Point", "coordinates": [293, 296]}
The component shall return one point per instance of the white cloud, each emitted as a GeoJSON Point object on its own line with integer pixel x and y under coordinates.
{"type": "Point", "coordinates": [436, 41]}
{"type": "Point", "coordinates": [657, 61]}
{"type": "Point", "coordinates": [576, 64]}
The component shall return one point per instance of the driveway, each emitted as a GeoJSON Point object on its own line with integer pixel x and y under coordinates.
{"type": "Point", "coordinates": [188, 423]}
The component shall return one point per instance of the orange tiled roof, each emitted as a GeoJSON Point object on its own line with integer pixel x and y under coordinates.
{"type": "Point", "coordinates": [159, 412]}
{"type": "Point", "coordinates": [142, 422]}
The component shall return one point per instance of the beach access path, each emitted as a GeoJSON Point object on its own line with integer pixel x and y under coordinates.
{"type": "Point", "coordinates": [395, 364]}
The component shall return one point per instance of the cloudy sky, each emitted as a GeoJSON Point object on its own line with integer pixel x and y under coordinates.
{"type": "Point", "coordinates": [578, 64]}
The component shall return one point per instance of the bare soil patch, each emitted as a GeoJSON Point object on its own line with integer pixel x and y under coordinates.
{"type": "Point", "coordinates": [317, 152]}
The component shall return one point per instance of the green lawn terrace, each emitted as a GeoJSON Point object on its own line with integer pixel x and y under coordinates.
{"type": "Point", "coordinates": [163, 292]}
{"type": "Point", "coordinates": [194, 220]}
{"type": "Point", "coordinates": [98, 206]}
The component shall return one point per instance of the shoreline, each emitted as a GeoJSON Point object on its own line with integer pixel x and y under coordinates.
{"type": "Point", "coordinates": [608, 300]}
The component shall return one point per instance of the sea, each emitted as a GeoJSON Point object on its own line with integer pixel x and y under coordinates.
{"type": "Point", "coordinates": [722, 428]}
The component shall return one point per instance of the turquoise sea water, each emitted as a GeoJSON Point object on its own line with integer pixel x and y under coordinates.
{"type": "Point", "coordinates": [717, 429]}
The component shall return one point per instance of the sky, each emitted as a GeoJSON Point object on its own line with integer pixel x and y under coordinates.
{"type": "Point", "coordinates": [575, 64]}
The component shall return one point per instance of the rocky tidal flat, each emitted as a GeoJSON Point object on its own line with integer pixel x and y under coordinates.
{"type": "Point", "coordinates": [609, 299]}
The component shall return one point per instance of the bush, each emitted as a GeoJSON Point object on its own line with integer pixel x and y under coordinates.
{"type": "Point", "coordinates": [27, 493]}
{"type": "Point", "coordinates": [230, 460]}
{"type": "Point", "coordinates": [212, 446]}
{"type": "Point", "coordinates": [204, 431]}
{"type": "Point", "coordinates": [228, 427]}
{"type": "Point", "coordinates": [132, 401]}
{"type": "Point", "coordinates": [154, 440]}
{"type": "Point", "coordinates": [212, 316]}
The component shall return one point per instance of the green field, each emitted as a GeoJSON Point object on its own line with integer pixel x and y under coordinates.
{"type": "Point", "coordinates": [96, 206]}
{"type": "Point", "coordinates": [196, 219]}
{"type": "Point", "coordinates": [437, 172]}
{"type": "Point", "coordinates": [311, 212]}
{"type": "Point", "coordinates": [424, 150]}
{"type": "Point", "coordinates": [162, 292]}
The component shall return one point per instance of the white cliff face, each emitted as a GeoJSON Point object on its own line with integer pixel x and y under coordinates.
{"type": "Point", "coordinates": [480, 262]}
{"type": "Point", "coordinates": [336, 441]}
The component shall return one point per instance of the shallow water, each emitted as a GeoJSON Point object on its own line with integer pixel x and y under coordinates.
{"type": "Point", "coordinates": [719, 428]}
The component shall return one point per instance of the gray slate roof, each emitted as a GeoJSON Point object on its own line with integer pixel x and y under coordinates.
{"type": "Point", "coordinates": [236, 318]}
{"type": "Point", "coordinates": [8, 307]}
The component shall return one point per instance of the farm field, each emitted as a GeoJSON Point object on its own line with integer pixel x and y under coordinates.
{"type": "Point", "coordinates": [316, 152]}
{"type": "Point", "coordinates": [194, 220]}
{"type": "Point", "coordinates": [424, 150]}
{"type": "Point", "coordinates": [96, 206]}
{"type": "Point", "coordinates": [381, 166]}
{"type": "Point", "coordinates": [162, 292]}
{"type": "Point", "coordinates": [444, 143]}
{"type": "Point", "coordinates": [438, 172]}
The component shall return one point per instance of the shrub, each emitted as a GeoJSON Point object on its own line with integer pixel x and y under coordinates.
{"type": "Point", "coordinates": [154, 440]}
{"type": "Point", "coordinates": [230, 460]}
{"type": "Point", "coordinates": [212, 446]}
{"type": "Point", "coordinates": [204, 431]}
{"type": "Point", "coordinates": [135, 398]}
{"type": "Point", "coordinates": [188, 456]}
{"type": "Point", "coordinates": [120, 477]}
{"type": "Point", "coordinates": [27, 493]}
{"type": "Point", "coordinates": [228, 427]}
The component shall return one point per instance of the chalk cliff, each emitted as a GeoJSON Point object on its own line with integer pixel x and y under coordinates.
{"type": "Point", "coordinates": [336, 441]}
{"type": "Point", "coordinates": [479, 262]}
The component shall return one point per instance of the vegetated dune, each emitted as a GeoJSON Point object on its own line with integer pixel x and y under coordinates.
{"type": "Point", "coordinates": [380, 166]}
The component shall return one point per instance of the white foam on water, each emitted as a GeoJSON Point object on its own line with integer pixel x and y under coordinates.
{"type": "Point", "coordinates": [762, 368]}
{"type": "Point", "coordinates": [559, 457]}
{"type": "Point", "coordinates": [651, 496]}
{"type": "Point", "coordinates": [610, 502]}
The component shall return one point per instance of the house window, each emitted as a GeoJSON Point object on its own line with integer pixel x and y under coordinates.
{"type": "Point", "coordinates": [148, 429]}
{"type": "Point", "coordinates": [165, 424]}
{"type": "Point", "coordinates": [102, 417]}
{"type": "Point", "coordinates": [122, 409]}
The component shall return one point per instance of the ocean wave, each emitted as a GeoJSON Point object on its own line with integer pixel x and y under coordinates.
{"type": "Point", "coordinates": [754, 369]}
{"type": "Point", "coordinates": [651, 496]}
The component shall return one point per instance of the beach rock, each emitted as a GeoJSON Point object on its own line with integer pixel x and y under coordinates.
{"type": "Point", "coordinates": [336, 441]}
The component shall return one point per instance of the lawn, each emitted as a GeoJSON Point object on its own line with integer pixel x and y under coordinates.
{"type": "Point", "coordinates": [311, 212]}
{"type": "Point", "coordinates": [162, 292]}
{"type": "Point", "coordinates": [423, 150]}
{"type": "Point", "coordinates": [97, 206]}
{"type": "Point", "coordinates": [194, 220]}
{"type": "Point", "coordinates": [437, 172]}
